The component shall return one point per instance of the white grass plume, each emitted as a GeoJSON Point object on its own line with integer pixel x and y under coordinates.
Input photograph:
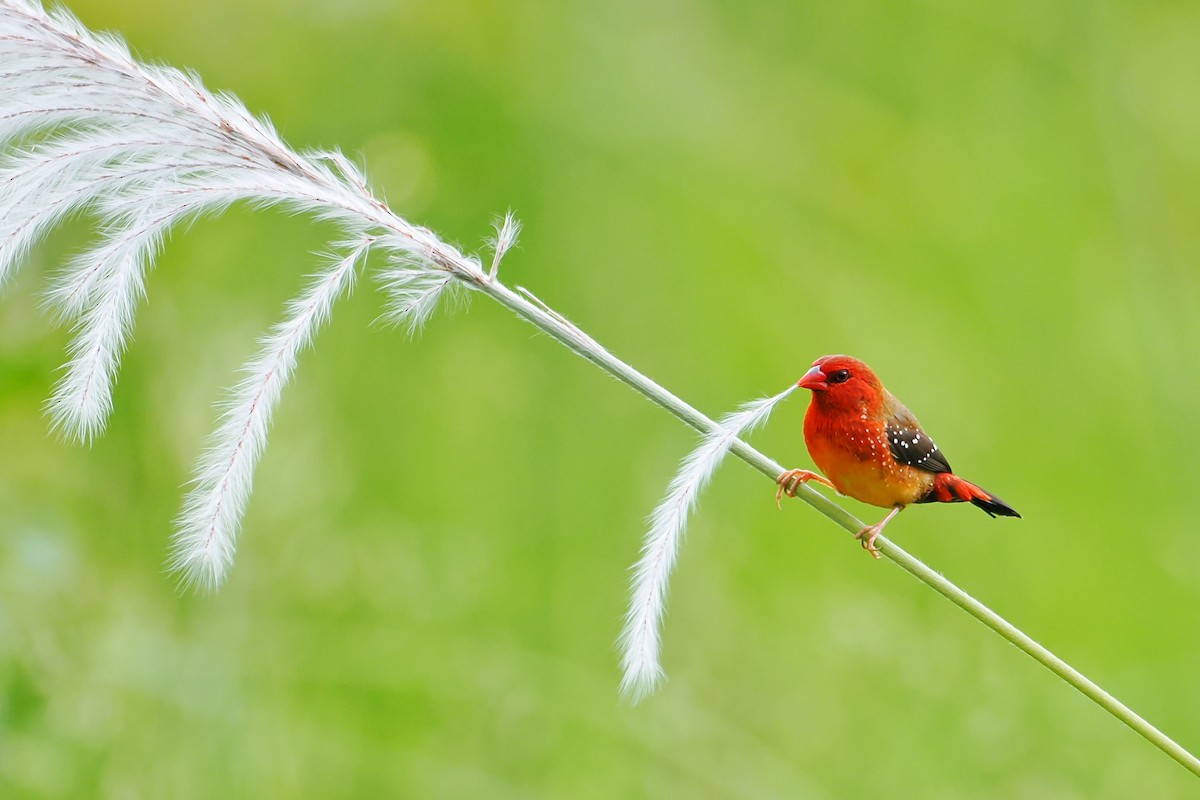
{"type": "Point", "coordinates": [507, 233]}
{"type": "Point", "coordinates": [208, 527]}
{"type": "Point", "coordinates": [640, 639]}
{"type": "Point", "coordinates": [82, 399]}
{"type": "Point", "coordinates": [86, 127]}
{"type": "Point", "coordinates": [413, 294]}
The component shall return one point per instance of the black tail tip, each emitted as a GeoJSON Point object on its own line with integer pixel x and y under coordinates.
{"type": "Point", "coordinates": [994, 506]}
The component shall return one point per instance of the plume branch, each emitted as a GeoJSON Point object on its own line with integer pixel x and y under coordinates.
{"type": "Point", "coordinates": [640, 640]}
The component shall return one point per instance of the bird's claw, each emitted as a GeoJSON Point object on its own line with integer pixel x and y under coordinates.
{"type": "Point", "coordinates": [792, 480]}
{"type": "Point", "coordinates": [868, 536]}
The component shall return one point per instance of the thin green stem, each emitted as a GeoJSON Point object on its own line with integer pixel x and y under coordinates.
{"type": "Point", "coordinates": [559, 328]}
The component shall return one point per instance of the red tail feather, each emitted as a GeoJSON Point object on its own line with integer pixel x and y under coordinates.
{"type": "Point", "coordinates": [949, 488]}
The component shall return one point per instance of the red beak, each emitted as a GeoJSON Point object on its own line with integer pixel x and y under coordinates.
{"type": "Point", "coordinates": [813, 379]}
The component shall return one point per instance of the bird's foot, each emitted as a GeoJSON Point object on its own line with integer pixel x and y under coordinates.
{"type": "Point", "coordinates": [793, 479]}
{"type": "Point", "coordinates": [868, 536]}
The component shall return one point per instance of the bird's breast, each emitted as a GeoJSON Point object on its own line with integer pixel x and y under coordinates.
{"type": "Point", "coordinates": [855, 456]}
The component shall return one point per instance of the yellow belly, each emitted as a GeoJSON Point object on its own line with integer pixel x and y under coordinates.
{"type": "Point", "coordinates": [870, 475]}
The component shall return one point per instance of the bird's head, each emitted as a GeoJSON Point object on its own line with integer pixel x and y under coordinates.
{"type": "Point", "coordinates": [842, 382]}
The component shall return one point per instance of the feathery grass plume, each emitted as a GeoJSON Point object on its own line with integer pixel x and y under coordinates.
{"type": "Point", "coordinates": [413, 295]}
{"type": "Point", "coordinates": [86, 127]}
{"type": "Point", "coordinates": [507, 232]}
{"type": "Point", "coordinates": [208, 526]}
{"type": "Point", "coordinates": [82, 398]}
{"type": "Point", "coordinates": [640, 638]}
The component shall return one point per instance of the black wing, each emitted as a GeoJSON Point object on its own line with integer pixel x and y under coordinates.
{"type": "Point", "coordinates": [912, 446]}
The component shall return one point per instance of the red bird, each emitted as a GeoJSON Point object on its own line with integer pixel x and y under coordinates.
{"type": "Point", "coordinates": [873, 449]}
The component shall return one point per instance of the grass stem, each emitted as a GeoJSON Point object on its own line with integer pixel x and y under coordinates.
{"type": "Point", "coordinates": [567, 334]}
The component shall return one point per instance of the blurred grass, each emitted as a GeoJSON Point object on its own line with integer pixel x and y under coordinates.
{"type": "Point", "coordinates": [993, 205]}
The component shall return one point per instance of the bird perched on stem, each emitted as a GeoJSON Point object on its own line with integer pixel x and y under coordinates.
{"type": "Point", "coordinates": [873, 449]}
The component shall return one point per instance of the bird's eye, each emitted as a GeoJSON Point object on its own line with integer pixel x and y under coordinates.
{"type": "Point", "coordinates": [841, 376]}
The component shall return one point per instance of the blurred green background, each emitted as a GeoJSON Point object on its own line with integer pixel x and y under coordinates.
{"type": "Point", "coordinates": [993, 204]}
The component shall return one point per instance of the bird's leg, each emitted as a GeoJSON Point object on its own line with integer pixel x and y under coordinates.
{"type": "Point", "coordinates": [795, 478]}
{"type": "Point", "coordinates": [871, 532]}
